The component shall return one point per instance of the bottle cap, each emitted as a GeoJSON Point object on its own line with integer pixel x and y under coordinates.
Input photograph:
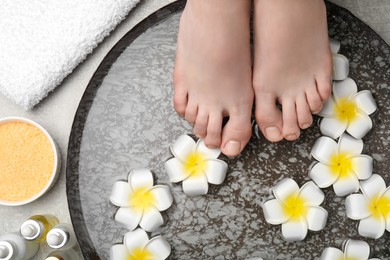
{"type": "Point", "coordinates": [31, 229]}
{"type": "Point", "coordinates": [6, 250]}
{"type": "Point", "coordinates": [57, 238]}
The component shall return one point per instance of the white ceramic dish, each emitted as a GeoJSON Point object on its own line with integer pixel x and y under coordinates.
{"type": "Point", "coordinates": [56, 167]}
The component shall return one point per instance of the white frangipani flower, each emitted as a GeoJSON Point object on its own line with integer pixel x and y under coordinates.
{"type": "Point", "coordinates": [140, 202]}
{"type": "Point", "coordinates": [372, 207]}
{"type": "Point", "coordinates": [347, 110]}
{"type": "Point", "coordinates": [195, 165]}
{"type": "Point", "coordinates": [340, 164]}
{"type": "Point", "coordinates": [353, 250]}
{"type": "Point", "coordinates": [296, 209]}
{"type": "Point", "coordinates": [137, 246]}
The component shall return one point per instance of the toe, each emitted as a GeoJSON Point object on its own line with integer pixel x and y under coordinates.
{"type": "Point", "coordinates": [180, 97]}
{"type": "Point", "coordinates": [190, 112]}
{"type": "Point", "coordinates": [291, 129]}
{"type": "Point", "coordinates": [200, 127]}
{"type": "Point", "coordinates": [324, 87]}
{"type": "Point", "coordinates": [314, 100]}
{"type": "Point", "coordinates": [269, 117]}
{"type": "Point", "coordinates": [236, 134]}
{"type": "Point", "coordinates": [303, 112]}
{"type": "Point", "coordinates": [214, 130]}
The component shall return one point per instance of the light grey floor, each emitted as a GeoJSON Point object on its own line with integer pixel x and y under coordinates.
{"type": "Point", "coordinates": [375, 13]}
{"type": "Point", "coordinates": [56, 112]}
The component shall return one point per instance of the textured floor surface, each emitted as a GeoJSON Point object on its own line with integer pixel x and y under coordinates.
{"type": "Point", "coordinates": [375, 13]}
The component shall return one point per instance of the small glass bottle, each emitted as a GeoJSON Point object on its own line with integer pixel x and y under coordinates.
{"type": "Point", "coordinates": [14, 247]}
{"type": "Point", "coordinates": [69, 254]}
{"type": "Point", "coordinates": [37, 227]}
{"type": "Point", "coordinates": [61, 236]}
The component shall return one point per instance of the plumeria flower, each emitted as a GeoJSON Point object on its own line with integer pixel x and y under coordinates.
{"type": "Point", "coordinates": [137, 246]}
{"type": "Point", "coordinates": [195, 165]}
{"type": "Point", "coordinates": [140, 202]}
{"type": "Point", "coordinates": [347, 110]}
{"type": "Point", "coordinates": [340, 164]}
{"type": "Point", "coordinates": [372, 207]}
{"type": "Point", "coordinates": [296, 209]}
{"type": "Point", "coordinates": [340, 65]}
{"type": "Point", "coordinates": [353, 249]}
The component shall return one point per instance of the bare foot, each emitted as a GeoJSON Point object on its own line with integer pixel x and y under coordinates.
{"type": "Point", "coordinates": [292, 65]}
{"type": "Point", "coordinates": [213, 75]}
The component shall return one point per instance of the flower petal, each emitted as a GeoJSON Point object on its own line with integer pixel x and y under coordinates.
{"type": "Point", "coordinates": [331, 253]}
{"type": "Point", "coordinates": [141, 178]}
{"type": "Point", "coordinates": [340, 67]}
{"type": "Point", "coordinates": [120, 194]}
{"type": "Point", "coordinates": [323, 149]}
{"type": "Point", "coordinates": [135, 239]}
{"type": "Point", "coordinates": [159, 247]}
{"type": "Point", "coordinates": [356, 206]}
{"type": "Point", "coordinates": [128, 217]}
{"type": "Point", "coordinates": [328, 108]}
{"type": "Point", "coordinates": [362, 166]}
{"type": "Point", "coordinates": [322, 175]}
{"type": "Point", "coordinates": [388, 222]}
{"type": "Point", "coordinates": [316, 218]}
{"type": "Point", "coordinates": [332, 127]}
{"type": "Point", "coordinates": [183, 146]}
{"type": "Point", "coordinates": [273, 212]}
{"type": "Point", "coordinates": [162, 197]}
{"type": "Point", "coordinates": [334, 45]}
{"type": "Point", "coordinates": [372, 227]}
{"type": "Point", "coordinates": [284, 189]}
{"type": "Point", "coordinates": [373, 186]}
{"type": "Point", "coordinates": [365, 101]}
{"type": "Point", "coordinates": [311, 194]}
{"type": "Point", "coordinates": [344, 89]}
{"type": "Point", "coordinates": [360, 126]}
{"type": "Point", "coordinates": [349, 144]}
{"type": "Point", "coordinates": [216, 171]}
{"type": "Point", "coordinates": [207, 152]}
{"type": "Point", "coordinates": [175, 170]}
{"type": "Point", "coordinates": [346, 185]}
{"type": "Point", "coordinates": [151, 220]}
{"type": "Point", "coordinates": [118, 252]}
{"type": "Point", "coordinates": [194, 186]}
{"type": "Point", "coordinates": [294, 230]}
{"type": "Point", "coordinates": [356, 249]}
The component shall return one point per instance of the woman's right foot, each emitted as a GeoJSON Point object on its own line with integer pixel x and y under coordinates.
{"type": "Point", "coordinates": [213, 75]}
{"type": "Point", "coordinates": [292, 65]}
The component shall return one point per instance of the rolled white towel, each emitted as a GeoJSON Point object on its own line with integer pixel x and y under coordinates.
{"type": "Point", "coordinates": [42, 41]}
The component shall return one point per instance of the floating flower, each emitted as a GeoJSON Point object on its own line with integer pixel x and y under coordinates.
{"type": "Point", "coordinates": [353, 249]}
{"type": "Point", "coordinates": [347, 110]}
{"type": "Point", "coordinates": [340, 164]}
{"type": "Point", "coordinates": [296, 209]}
{"type": "Point", "coordinates": [340, 65]}
{"type": "Point", "coordinates": [137, 246]}
{"type": "Point", "coordinates": [140, 202]}
{"type": "Point", "coordinates": [195, 165]}
{"type": "Point", "coordinates": [372, 207]}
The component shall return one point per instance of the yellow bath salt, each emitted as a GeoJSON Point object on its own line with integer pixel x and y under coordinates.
{"type": "Point", "coordinates": [26, 161]}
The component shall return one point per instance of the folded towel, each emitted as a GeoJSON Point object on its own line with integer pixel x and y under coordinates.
{"type": "Point", "coordinates": [42, 41]}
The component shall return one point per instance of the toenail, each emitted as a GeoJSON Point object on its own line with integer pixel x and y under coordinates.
{"type": "Point", "coordinates": [272, 133]}
{"type": "Point", "coordinates": [306, 125]}
{"type": "Point", "coordinates": [291, 137]}
{"type": "Point", "coordinates": [232, 147]}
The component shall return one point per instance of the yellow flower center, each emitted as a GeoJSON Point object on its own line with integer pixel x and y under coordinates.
{"type": "Point", "coordinates": [195, 164]}
{"type": "Point", "coordinates": [379, 206]}
{"type": "Point", "coordinates": [294, 207]}
{"type": "Point", "coordinates": [346, 110]}
{"type": "Point", "coordinates": [140, 254]}
{"type": "Point", "coordinates": [142, 199]}
{"type": "Point", "coordinates": [341, 164]}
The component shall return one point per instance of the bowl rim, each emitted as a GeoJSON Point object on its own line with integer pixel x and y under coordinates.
{"type": "Point", "coordinates": [56, 166]}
